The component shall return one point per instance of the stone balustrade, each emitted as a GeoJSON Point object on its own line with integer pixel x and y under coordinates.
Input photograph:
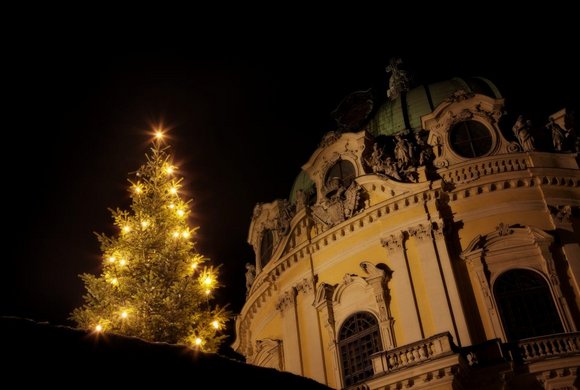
{"type": "Point", "coordinates": [412, 354]}
{"type": "Point", "coordinates": [538, 348]}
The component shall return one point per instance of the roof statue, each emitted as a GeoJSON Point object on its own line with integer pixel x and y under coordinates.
{"type": "Point", "coordinates": [399, 81]}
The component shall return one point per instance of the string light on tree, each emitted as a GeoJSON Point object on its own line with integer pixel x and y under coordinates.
{"type": "Point", "coordinates": [167, 280]}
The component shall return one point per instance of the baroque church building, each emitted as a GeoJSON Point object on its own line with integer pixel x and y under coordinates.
{"type": "Point", "coordinates": [425, 244]}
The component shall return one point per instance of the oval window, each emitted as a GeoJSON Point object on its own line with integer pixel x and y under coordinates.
{"type": "Point", "coordinates": [470, 139]}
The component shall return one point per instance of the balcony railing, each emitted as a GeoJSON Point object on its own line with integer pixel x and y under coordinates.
{"type": "Point", "coordinates": [543, 347]}
{"type": "Point", "coordinates": [412, 354]}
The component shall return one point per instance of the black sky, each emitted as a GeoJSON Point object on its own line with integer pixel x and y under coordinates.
{"type": "Point", "coordinates": [243, 120]}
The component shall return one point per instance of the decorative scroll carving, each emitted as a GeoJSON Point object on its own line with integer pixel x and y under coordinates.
{"type": "Point", "coordinates": [513, 147]}
{"type": "Point", "coordinates": [441, 163]}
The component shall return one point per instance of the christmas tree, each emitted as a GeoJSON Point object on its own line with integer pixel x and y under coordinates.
{"type": "Point", "coordinates": [154, 283]}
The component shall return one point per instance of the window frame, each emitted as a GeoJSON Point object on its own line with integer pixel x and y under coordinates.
{"type": "Point", "coordinates": [355, 368]}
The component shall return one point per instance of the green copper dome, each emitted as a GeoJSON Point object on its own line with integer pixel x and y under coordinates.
{"type": "Point", "coordinates": [406, 111]}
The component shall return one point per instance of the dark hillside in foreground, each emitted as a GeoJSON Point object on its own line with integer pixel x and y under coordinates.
{"type": "Point", "coordinates": [43, 354]}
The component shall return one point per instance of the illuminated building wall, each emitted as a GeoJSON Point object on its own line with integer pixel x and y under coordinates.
{"type": "Point", "coordinates": [425, 244]}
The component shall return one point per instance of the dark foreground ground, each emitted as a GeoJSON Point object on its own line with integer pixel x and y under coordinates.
{"type": "Point", "coordinates": [46, 355]}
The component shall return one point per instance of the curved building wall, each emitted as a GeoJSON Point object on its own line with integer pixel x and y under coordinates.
{"type": "Point", "coordinates": [419, 247]}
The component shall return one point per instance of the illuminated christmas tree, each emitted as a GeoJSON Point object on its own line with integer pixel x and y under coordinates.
{"type": "Point", "coordinates": [154, 283]}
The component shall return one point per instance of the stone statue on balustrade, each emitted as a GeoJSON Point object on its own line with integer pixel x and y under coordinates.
{"type": "Point", "coordinates": [376, 160]}
{"type": "Point", "coordinates": [424, 150]}
{"type": "Point", "coordinates": [403, 151]}
{"type": "Point", "coordinates": [522, 131]}
{"type": "Point", "coordinates": [250, 276]}
{"type": "Point", "coordinates": [558, 134]}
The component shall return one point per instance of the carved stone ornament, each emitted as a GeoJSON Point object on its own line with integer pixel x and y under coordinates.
{"type": "Point", "coordinates": [394, 242]}
{"type": "Point", "coordinates": [285, 214]}
{"type": "Point", "coordinates": [306, 285]}
{"type": "Point", "coordinates": [562, 213]}
{"type": "Point", "coordinates": [514, 147]}
{"type": "Point", "coordinates": [503, 229]}
{"type": "Point", "coordinates": [441, 163]}
{"type": "Point", "coordinates": [257, 210]}
{"type": "Point", "coordinates": [348, 278]}
{"type": "Point", "coordinates": [339, 206]}
{"type": "Point", "coordinates": [329, 138]}
{"type": "Point", "coordinates": [286, 300]}
{"type": "Point", "coordinates": [420, 232]}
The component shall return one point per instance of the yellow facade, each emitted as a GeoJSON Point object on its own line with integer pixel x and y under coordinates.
{"type": "Point", "coordinates": [427, 256]}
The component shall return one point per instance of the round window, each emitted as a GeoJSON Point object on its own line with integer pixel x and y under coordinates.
{"type": "Point", "coordinates": [470, 139]}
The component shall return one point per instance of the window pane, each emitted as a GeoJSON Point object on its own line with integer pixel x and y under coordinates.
{"type": "Point", "coordinates": [359, 338]}
{"type": "Point", "coordinates": [266, 247]}
{"type": "Point", "coordinates": [470, 139]}
{"type": "Point", "coordinates": [526, 306]}
{"type": "Point", "coordinates": [344, 170]}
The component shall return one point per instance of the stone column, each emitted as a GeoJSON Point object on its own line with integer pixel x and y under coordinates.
{"type": "Point", "coordinates": [402, 286]}
{"type": "Point", "coordinates": [446, 264]}
{"type": "Point", "coordinates": [323, 303]}
{"type": "Point", "coordinates": [290, 331]}
{"type": "Point", "coordinates": [444, 301]}
{"type": "Point", "coordinates": [311, 339]}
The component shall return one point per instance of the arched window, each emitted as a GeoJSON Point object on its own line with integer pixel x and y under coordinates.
{"type": "Point", "coordinates": [470, 139]}
{"type": "Point", "coordinates": [525, 304]}
{"type": "Point", "coordinates": [344, 170]}
{"type": "Point", "coordinates": [359, 338]}
{"type": "Point", "coordinates": [266, 247]}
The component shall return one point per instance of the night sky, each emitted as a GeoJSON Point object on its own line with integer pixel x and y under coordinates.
{"type": "Point", "coordinates": [242, 121]}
